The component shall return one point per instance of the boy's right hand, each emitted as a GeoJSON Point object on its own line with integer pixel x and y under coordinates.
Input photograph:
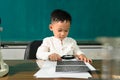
{"type": "Point", "coordinates": [54, 57]}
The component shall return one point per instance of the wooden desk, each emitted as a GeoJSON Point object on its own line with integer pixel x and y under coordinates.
{"type": "Point", "coordinates": [25, 69]}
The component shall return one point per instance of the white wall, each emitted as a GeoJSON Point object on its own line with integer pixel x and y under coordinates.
{"type": "Point", "coordinates": [93, 52]}
{"type": "Point", "coordinates": [17, 52]}
{"type": "Point", "coordinates": [13, 52]}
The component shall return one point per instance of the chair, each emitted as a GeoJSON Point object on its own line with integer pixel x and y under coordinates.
{"type": "Point", "coordinates": [31, 49]}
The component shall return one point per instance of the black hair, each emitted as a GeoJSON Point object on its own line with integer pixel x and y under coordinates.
{"type": "Point", "coordinates": [60, 15]}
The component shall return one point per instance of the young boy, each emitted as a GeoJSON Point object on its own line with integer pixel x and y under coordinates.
{"type": "Point", "coordinates": [54, 47]}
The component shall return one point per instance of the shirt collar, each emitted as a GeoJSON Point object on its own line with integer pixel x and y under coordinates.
{"type": "Point", "coordinates": [59, 39]}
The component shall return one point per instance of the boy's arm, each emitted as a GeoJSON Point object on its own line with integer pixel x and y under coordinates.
{"type": "Point", "coordinates": [43, 51]}
{"type": "Point", "coordinates": [77, 50]}
{"type": "Point", "coordinates": [80, 55]}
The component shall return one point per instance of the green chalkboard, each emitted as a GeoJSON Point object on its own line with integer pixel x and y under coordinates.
{"type": "Point", "coordinates": [27, 20]}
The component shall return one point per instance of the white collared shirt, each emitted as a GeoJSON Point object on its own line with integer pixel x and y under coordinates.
{"type": "Point", "coordinates": [52, 45]}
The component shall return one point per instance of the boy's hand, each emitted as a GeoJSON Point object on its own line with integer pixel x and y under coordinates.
{"type": "Point", "coordinates": [83, 58]}
{"type": "Point", "coordinates": [54, 57]}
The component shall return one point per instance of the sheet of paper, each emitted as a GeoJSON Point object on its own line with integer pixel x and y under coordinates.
{"type": "Point", "coordinates": [48, 71]}
{"type": "Point", "coordinates": [43, 74]}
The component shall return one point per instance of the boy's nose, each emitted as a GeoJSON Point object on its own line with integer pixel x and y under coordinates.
{"type": "Point", "coordinates": [63, 33]}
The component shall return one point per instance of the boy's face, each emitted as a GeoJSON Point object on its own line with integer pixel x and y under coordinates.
{"type": "Point", "coordinates": [60, 29]}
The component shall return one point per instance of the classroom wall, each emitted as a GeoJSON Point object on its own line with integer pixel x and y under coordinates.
{"type": "Point", "coordinates": [18, 52]}
{"type": "Point", "coordinates": [27, 20]}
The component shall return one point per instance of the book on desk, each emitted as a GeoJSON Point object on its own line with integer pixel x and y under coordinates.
{"type": "Point", "coordinates": [71, 66]}
{"type": "Point", "coordinates": [49, 70]}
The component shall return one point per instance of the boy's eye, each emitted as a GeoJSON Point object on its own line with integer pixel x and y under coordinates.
{"type": "Point", "coordinates": [59, 30]}
{"type": "Point", "coordinates": [66, 30]}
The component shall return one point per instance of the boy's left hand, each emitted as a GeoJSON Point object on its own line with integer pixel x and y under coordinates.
{"type": "Point", "coordinates": [83, 58]}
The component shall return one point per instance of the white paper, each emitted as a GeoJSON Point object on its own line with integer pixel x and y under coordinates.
{"type": "Point", "coordinates": [48, 71]}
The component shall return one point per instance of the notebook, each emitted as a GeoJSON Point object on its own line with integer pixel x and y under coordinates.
{"type": "Point", "coordinates": [48, 70]}
{"type": "Point", "coordinates": [71, 66]}
{"type": "Point", "coordinates": [70, 63]}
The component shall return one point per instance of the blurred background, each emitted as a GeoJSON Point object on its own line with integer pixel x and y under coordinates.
{"type": "Point", "coordinates": [23, 21]}
{"type": "Point", "coordinates": [27, 20]}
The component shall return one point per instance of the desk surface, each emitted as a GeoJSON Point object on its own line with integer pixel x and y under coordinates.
{"type": "Point", "coordinates": [25, 69]}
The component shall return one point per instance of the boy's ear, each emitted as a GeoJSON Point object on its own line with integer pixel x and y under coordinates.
{"type": "Point", "coordinates": [50, 27]}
